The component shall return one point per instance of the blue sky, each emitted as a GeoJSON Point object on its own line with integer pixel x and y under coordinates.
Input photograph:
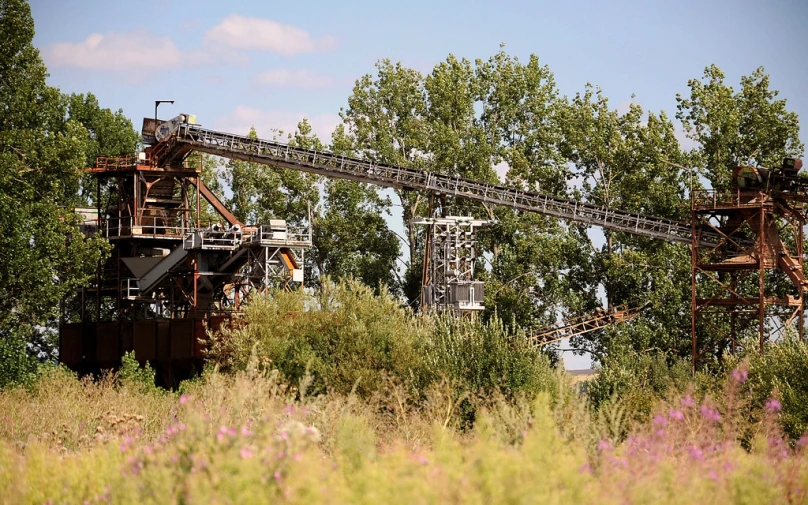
{"type": "Point", "coordinates": [268, 64]}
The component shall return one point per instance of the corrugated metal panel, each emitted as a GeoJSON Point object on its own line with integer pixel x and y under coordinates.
{"type": "Point", "coordinates": [106, 344]}
{"type": "Point", "coordinates": [163, 340]}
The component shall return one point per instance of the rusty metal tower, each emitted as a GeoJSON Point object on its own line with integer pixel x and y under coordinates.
{"type": "Point", "coordinates": [752, 282]}
{"type": "Point", "coordinates": [169, 276]}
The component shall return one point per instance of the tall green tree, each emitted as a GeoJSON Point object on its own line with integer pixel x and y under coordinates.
{"type": "Point", "coordinates": [628, 161]}
{"type": "Point", "coordinates": [734, 128]}
{"type": "Point", "coordinates": [261, 193]}
{"type": "Point", "coordinates": [351, 234]}
{"type": "Point", "coordinates": [43, 256]}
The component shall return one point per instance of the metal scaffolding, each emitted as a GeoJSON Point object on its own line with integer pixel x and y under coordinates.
{"type": "Point", "coordinates": [169, 277]}
{"type": "Point", "coordinates": [752, 283]}
{"type": "Point", "coordinates": [450, 255]}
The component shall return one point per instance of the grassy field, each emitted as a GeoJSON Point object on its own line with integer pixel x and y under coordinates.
{"type": "Point", "coordinates": [247, 437]}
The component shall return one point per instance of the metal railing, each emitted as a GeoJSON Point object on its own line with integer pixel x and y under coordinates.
{"type": "Point", "coordinates": [288, 235]}
{"type": "Point", "coordinates": [336, 166]}
{"type": "Point", "coordinates": [149, 226]}
{"type": "Point", "coordinates": [129, 288]}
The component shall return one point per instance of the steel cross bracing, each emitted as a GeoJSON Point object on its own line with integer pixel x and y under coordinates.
{"type": "Point", "coordinates": [324, 163]}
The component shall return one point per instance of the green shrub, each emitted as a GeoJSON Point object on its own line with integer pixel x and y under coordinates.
{"type": "Point", "coordinates": [638, 381]}
{"type": "Point", "coordinates": [17, 366]}
{"type": "Point", "coordinates": [347, 339]}
{"type": "Point", "coordinates": [782, 371]}
{"type": "Point", "coordinates": [131, 372]}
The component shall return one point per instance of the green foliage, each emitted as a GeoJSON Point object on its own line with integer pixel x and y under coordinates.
{"type": "Point", "coordinates": [781, 373]}
{"type": "Point", "coordinates": [349, 339]}
{"type": "Point", "coordinates": [18, 366]}
{"type": "Point", "coordinates": [131, 372]}
{"type": "Point", "coordinates": [261, 193]}
{"type": "Point", "coordinates": [638, 381]}
{"type": "Point", "coordinates": [747, 127]}
{"type": "Point", "coordinates": [351, 238]}
{"type": "Point", "coordinates": [42, 152]}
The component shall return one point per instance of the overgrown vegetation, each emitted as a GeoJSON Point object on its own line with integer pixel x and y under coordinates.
{"type": "Point", "coordinates": [251, 436]}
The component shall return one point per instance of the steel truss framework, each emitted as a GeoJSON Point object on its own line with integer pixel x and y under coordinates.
{"type": "Point", "coordinates": [167, 265]}
{"type": "Point", "coordinates": [449, 259]}
{"type": "Point", "coordinates": [751, 283]}
{"type": "Point", "coordinates": [190, 137]}
{"type": "Point", "coordinates": [585, 324]}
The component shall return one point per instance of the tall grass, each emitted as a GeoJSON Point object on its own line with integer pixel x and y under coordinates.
{"type": "Point", "coordinates": [249, 438]}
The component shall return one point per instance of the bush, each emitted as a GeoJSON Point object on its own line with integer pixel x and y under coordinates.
{"type": "Point", "coordinates": [17, 366]}
{"type": "Point", "coordinates": [638, 381]}
{"type": "Point", "coordinates": [132, 373]}
{"type": "Point", "coordinates": [347, 339]}
{"type": "Point", "coordinates": [782, 371]}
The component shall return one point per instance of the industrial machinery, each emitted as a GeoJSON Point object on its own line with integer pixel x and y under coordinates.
{"type": "Point", "coordinates": [752, 280]}
{"type": "Point", "coordinates": [170, 276]}
{"type": "Point", "coordinates": [450, 254]}
{"type": "Point", "coordinates": [583, 325]}
{"type": "Point", "coordinates": [757, 227]}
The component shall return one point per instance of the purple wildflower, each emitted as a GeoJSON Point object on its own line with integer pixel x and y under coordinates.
{"type": "Point", "coordinates": [676, 415]}
{"type": "Point", "coordinates": [696, 453]}
{"type": "Point", "coordinates": [773, 405]}
{"type": "Point", "coordinates": [604, 445]}
{"type": "Point", "coordinates": [688, 402]}
{"type": "Point", "coordinates": [660, 420]}
{"type": "Point", "coordinates": [739, 375]}
{"type": "Point", "coordinates": [803, 441]}
{"type": "Point", "coordinates": [710, 414]}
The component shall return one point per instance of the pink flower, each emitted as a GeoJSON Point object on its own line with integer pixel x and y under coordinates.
{"type": "Point", "coordinates": [676, 415]}
{"type": "Point", "coordinates": [710, 414]}
{"type": "Point", "coordinates": [696, 453]}
{"type": "Point", "coordinates": [688, 402]}
{"type": "Point", "coordinates": [739, 375]}
{"type": "Point", "coordinates": [773, 405]}
{"type": "Point", "coordinates": [604, 445]}
{"type": "Point", "coordinates": [803, 441]}
{"type": "Point", "coordinates": [183, 399]}
{"type": "Point", "coordinates": [246, 453]}
{"type": "Point", "coordinates": [660, 420]}
{"type": "Point", "coordinates": [277, 475]}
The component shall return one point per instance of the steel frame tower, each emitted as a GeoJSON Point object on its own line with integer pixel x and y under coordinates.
{"type": "Point", "coordinates": [169, 277]}
{"type": "Point", "coordinates": [752, 282]}
{"type": "Point", "coordinates": [450, 255]}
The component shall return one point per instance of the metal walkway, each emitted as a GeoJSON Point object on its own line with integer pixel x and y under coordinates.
{"type": "Point", "coordinates": [189, 137]}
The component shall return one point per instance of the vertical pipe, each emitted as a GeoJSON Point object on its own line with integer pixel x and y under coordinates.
{"type": "Point", "coordinates": [762, 274]}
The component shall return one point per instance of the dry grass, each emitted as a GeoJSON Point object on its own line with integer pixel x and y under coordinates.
{"type": "Point", "coordinates": [250, 438]}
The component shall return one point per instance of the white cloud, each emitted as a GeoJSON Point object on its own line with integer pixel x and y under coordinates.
{"type": "Point", "coordinates": [265, 121]}
{"type": "Point", "coordinates": [238, 32]}
{"type": "Point", "coordinates": [139, 50]}
{"type": "Point", "coordinates": [282, 77]}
